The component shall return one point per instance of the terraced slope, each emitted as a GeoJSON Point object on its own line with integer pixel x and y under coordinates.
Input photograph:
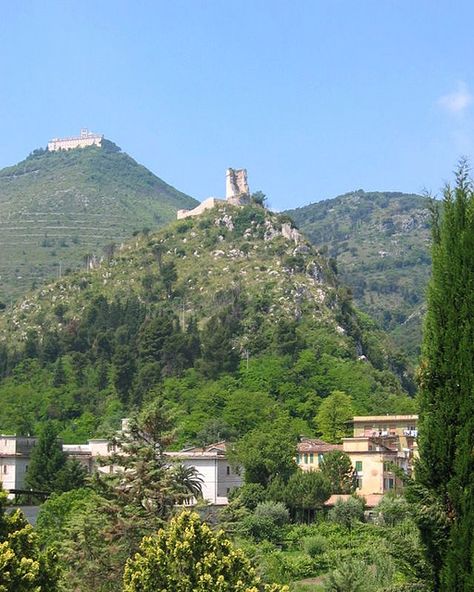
{"type": "Point", "coordinates": [57, 209]}
{"type": "Point", "coordinates": [381, 242]}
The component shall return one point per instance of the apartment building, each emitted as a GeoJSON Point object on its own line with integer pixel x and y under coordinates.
{"type": "Point", "coordinates": [380, 444]}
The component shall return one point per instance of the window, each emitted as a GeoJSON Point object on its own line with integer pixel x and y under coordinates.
{"type": "Point", "coordinates": [359, 483]}
{"type": "Point", "coordinates": [228, 470]}
{"type": "Point", "coordinates": [388, 483]}
{"type": "Point", "coordinates": [305, 458]}
{"type": "Point", "coordinates": [387, 466]}
{"type": "Point", "coordinates": [358, 466]}
{"type": "Point", "coordinates": [4, 469]}
{"type": "Point", "coordinates": [320, 458]}
{"type": "Point", "coordinates": [311, 458]}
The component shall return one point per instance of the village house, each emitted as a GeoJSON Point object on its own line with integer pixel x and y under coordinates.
{"type": "Point", "coordinates": [379, 443]}
{"type": "Point", "coordinates": [14, 456]}
{"type": "Point", "coordinates": [211, 463]}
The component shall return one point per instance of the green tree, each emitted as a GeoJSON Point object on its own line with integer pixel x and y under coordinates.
{"type": "Point", "coordinates": [446, 376]}
{"type": "Point", "coordinates": [348, 512]}
{"type": "Point", "coordinates": [259, 198]}
{"type": "Point", "coordinates": [332, 417]}
{"type": "Point", "coordinates": [23, 567]}
{"type": "Point", "coordinates": [47, 461]}
{"type": "Point", "coordinates": [306, 493]}
{"type": "Point", "coordinates": [351, 576]}
{"type": "Point", "coordinates": [188, 556]}
{"type": "Point", "coordinates": [266, 522]}
{"type": "Point", "coordinates": [149, 485]}
{"type": "Point", "coordinates": [56, 513]}
{"type": "Point", "coordinates": [59, 376]}
{"type": "Point", "coordinates": [267, 453]}
{"type": "Point", "coordinates": [168, 276]}
{"type": "Point", "coordinates": [337, 467]}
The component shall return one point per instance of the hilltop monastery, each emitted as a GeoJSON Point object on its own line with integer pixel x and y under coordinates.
{"type": "Point", "coordinates": [86, 138]}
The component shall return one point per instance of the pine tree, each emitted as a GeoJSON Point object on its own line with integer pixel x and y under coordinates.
{"type": "Point", "coordinates": [47, 461]}
{"type": "Point", "coordinates": [445, 473]}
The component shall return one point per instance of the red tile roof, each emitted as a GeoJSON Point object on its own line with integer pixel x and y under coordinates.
{"type": "Point", "coordinates": [316, 445]}
{"type": "Point", "coordinates": [371, 499]}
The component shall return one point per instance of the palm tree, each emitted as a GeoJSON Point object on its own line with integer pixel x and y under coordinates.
{"type": "Point", "coordinates": [187, 481]}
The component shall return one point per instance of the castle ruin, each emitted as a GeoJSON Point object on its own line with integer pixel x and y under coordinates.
{"type": "Point", "coordinates": [237, 193]}
{"type": "Point", "coordinates": [236, 187]}
{"type": "Point", "coordinates": [86, 138]}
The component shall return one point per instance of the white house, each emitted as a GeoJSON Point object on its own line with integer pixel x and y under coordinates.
{"type": "Point", "coordinates": [210, 462]}
{"type": "Point", "coordinates": [14, 455]}
{"type": "Point", "coordinates": [212, 465]}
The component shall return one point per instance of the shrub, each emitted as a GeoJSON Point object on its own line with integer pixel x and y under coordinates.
{"type": "Point", "coordinates": [249, 495]}
{"type": "Point", "coordinates": [347, 512]}
{"type": "Point", "coordinates": [352, 576]}
{"type": "Point", "coordinates": [275, 511]}
{"type": "Point", "coordinates": [314, 545]}
{"type": "Point", "coordinates": [259, 528]}
{"type": "Point", "coordinates": [393, 509]}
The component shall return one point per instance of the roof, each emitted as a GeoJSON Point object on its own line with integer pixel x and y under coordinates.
{"type": "Point", "coordinates": [379, 446]}
{"type": "Point", "coordinates": [371, 499]}
{"type": "Point", "coordinates": [368, 418]}
{"type": "Point", "coordinates": [316, 445]}
{"type": "Point", "coordinates": [216, 447]}
{"type": "Point", "coordinates": [211, 451]}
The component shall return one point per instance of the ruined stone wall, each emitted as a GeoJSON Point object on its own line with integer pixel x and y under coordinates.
{"type": "Point", "coordinates": [236, 187]}
{"type": "Point", "coordinates": [207, 204]}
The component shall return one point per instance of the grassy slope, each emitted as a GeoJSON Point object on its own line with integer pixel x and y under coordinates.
{"type": "Point", "coordinates": [57, 207]}
{"type": "Point", "coordinates": [381, 241]}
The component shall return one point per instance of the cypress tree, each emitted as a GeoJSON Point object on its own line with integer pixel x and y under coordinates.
{"type": "Point", "coordinates": [445, 472]}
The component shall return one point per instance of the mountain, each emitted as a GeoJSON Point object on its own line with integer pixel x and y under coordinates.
{"type": "Point", "coordinates": [381, 242]}
{"type": "Point", "coordinates": [232, 317]}
{"type": "Point", "coordinates": [57, 208]}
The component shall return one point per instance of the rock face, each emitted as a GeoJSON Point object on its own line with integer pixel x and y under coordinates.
{"type": "Point", "coordinates": [290, 233]}
{"type": "Point", "coordinates": [236, 187]}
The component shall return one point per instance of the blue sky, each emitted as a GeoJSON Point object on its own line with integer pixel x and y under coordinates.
{"type": "Point", "coordinates": [314, 98]}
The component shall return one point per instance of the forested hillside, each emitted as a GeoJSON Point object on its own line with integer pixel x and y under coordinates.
{"type": "Point", "coordinates": [381, 242]}
{"type": "Point", "coordinates": [59, 210]}
{"type": "Point", "coordinates": [232, 317]}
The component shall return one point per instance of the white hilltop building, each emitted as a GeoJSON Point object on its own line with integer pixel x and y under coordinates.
{"type": "Point", "coordinates": [237, 193]}
{"type": "Point", "coordinates": [85, 138]}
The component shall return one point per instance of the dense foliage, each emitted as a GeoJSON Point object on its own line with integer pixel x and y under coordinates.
{"type": "Point", "coordinates": [188, 557]}
{"type": "Point", "coordinates": [23, 566]}
{"type": "Point", "coordinates": [218, 316]}
{"type": "Point", "coordinates": [445, 474]}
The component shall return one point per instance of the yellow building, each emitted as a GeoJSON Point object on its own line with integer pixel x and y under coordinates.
{"type": "Point", "coordinates": [379, 443]}
{"type": "Point", "coordinates": [311, 452]}
{"type": "Point", "coordinates": [385, 425]}
{"type": "Point", "coordinates": [373, 463]}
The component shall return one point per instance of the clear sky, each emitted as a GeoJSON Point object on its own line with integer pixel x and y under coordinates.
{"type": "Point", "coordinates": [315, 98]}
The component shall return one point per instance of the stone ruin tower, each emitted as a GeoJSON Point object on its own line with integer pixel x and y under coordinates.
{"type": "Point", "coordinates": [236, 187]}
